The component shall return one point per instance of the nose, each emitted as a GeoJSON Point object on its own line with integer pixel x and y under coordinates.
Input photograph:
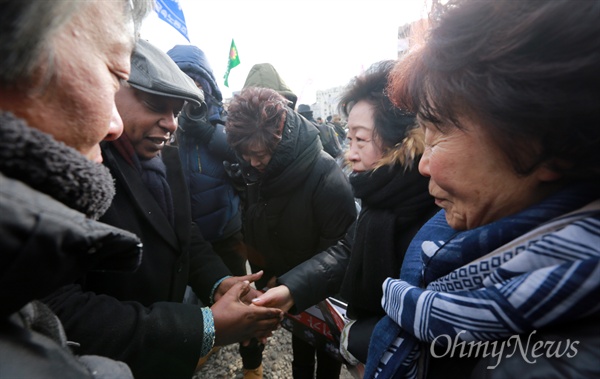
{"type": "Point", "coordinates": [254, 162]}
{"type": "Point", "coordinates": [168, 122]}
{"type": "Point", "coordinates": [115, 128]}
{"type": "Point", "coordinates": [424, 164]}
{"type": "Point", "coordinates": [352, 153]}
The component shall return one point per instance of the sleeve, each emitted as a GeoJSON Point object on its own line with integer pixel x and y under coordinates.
{"type": "Point", "coordinates": [357, 336]}
{"type": "Point", "coordinates": [206, 267]}
{"type": "Point", "coordinates": [320, 276]}
{"type": "Point", "coordinates": [162, 340]}
{"type": "Point", "coordinates": [333, 205]}
{"type": "Point", "coordinates": [208, 322]}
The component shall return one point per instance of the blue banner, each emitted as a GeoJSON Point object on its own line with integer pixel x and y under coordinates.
{"type": "Point", "coordinates": [170, 11]}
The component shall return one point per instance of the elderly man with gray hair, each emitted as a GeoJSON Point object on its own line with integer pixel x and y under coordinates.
{"type": "Point", "coordinates": [61, 65]}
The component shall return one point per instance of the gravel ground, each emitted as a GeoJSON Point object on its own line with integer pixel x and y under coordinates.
{"type": "Point", "coordinates": [277, 361]}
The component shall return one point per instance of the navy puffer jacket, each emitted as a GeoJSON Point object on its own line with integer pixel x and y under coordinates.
{"type": "Point", "coordinates": [202, 149]}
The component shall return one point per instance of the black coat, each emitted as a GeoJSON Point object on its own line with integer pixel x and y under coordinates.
{"type": "Point", "coordinates": [301, 205]}
{"type": "Point", "coordinates": [49, 197]}
{"type": "Point", "coordinates": [140, 321]}
{"type": "Point", "coordinates": [396, 198]}
{"type": "Point", "coordinates": [395, 204]}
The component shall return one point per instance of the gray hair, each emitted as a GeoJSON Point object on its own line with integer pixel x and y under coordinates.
{"type": "Point", "coordinates": [28, 26]}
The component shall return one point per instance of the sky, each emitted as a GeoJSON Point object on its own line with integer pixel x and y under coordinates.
{"type": "Point", "coordinates": [313, 44]}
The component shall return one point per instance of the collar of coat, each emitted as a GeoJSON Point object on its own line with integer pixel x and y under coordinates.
{"type": "Point", "coordinates": [53, 168]}
{"type": "Point", "coordinates": [292, 159]}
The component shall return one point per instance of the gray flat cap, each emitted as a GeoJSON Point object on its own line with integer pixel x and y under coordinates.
{"type": "Point", "coordinates": [153, 71]}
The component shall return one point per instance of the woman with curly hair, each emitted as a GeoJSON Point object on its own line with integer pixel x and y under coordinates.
{"type": "Point", "coordinates": [298, 202]}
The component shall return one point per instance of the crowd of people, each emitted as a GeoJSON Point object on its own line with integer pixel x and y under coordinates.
{"type": "Point", "coordinates": [453, 203]}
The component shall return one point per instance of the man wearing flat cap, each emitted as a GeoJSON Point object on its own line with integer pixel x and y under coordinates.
{"type": "Point", "coordinates": [139, 318]}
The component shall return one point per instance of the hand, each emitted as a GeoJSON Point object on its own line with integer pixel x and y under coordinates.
{"type": "Point", "coordinates": [233, 170]}
{"type": "Point", "coordinates": [236, 321]}
{"type": "Point", "coordinates": [276, 297]}
{"type": "Point", "coordinates": [230, 282]}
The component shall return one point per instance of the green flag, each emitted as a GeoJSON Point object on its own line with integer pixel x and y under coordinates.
{"type": "Point", "coordinates": [234, 60]}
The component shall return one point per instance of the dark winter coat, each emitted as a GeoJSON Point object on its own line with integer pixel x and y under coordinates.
{"type": "Point", "coordinates": [329, 140]}
{"type": "Point", "coordinates": [331, 143]}
{"type": "Point", "coordinates": [141, 321]}
{"type": "Point", "coordinates": [394, 205]}
{"type": "Point", "coordinates": [49, 197]}
{"type": "Point", "coordinates": [214, 200]}
{"type": "Point", "coordinates": [203, 148]}
{"type": "Point", "coordinates": [340, 132]}
{"type": "Point", "coordinates": [301, 205]}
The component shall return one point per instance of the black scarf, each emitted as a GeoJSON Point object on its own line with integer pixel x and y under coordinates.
{"type": "Point", "coordinates": [154, 175]}
{"type": "Point", "coordinates": [394, 205]}
{"type": "Point", "coordinates": [291, 161]}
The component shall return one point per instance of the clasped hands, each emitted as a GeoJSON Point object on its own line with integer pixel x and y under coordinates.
{"type": "Point", "coordinates": [236, 315]}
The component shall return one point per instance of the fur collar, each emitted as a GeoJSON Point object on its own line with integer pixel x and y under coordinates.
{"type": "Point", "coordinates": [53, 168]}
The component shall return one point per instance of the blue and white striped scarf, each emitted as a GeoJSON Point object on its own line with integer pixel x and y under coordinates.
{"type": "Point", "coordinates": [544, 280]}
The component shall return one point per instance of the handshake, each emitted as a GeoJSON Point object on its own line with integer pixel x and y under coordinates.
{"type": "Point", "coordinates": [236, 316]}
